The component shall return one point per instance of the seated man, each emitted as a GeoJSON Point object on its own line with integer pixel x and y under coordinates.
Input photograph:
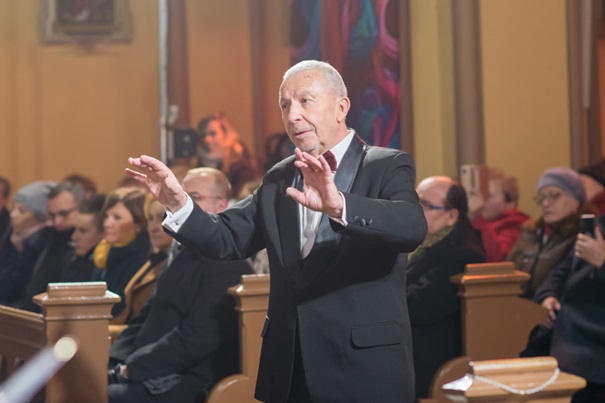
{"type": "Point", "coordinates": [433, 303]}
{"type": "Point", "coordinates": [87, 234]}
{"type": "Point", "coordinates": [184, 339]}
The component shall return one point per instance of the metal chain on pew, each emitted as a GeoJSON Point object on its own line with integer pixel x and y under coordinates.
{"type": "Point", "coordinates": [519, 391]}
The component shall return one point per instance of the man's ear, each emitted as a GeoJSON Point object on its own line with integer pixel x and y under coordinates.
{"type": "Point", "coordinates": [344, 104]}
{"type": "Point", "coordinates": [452, 216]}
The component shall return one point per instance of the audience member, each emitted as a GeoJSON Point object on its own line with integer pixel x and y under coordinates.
{"type": "Point", "coordinates": [89, 186]}
{"type": "Point", "coordinates": [125, 245]}
{"type": "Point", "coordinates": [29, 238]}
{"type": "Point", "coordinates": [546, 241]}
{"type": "Point", "coordinates": [574, 294]}
{"type": "Point", "coordinates": [139, 288]}
{"type": "Point", "coordinates": [5, 190]}
{"type": "Point", "coordinates": [221, 148]}
{"type": "Point", "coordinates": [593, 177]}
{"type": "Point", "coordinates": [63, 201]}
{"type": "Point", "coordinates": [185, 338]}
{"type": "Point", "coordinates": [88, 232]}
{"type": "Point", "coordinates": [497, 217]}
{"type": "Point", "coordinates": [433, 303]}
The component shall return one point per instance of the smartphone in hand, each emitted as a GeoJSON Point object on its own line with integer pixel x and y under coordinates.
{"type": "Point", "coordinates": [587, 225]}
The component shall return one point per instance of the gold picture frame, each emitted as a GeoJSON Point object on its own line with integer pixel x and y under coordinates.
{"type": "Point", "coordinates": [85, 21]}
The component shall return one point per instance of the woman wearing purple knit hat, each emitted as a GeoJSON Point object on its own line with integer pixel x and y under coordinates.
{"type": "Point", "coordinates": [545, 241]}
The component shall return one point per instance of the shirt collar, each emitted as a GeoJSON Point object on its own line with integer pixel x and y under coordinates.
{"type": "Point", "coordinates": [340, 149]}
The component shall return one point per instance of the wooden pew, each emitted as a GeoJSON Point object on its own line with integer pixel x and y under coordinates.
{"type": "Point", "coordinates": [252, 301]}
{"type": "Point", "coordinates": [81, 310]}
{"type": "Point", "coordinates": [515, 380]}
{"type": "Point", "coordinates": [496, 321]}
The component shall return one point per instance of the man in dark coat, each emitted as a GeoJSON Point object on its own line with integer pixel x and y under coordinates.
{"type": "Point", "coordinates": [433, 303]}
{"type": "Point", "coordinates": [574, 294]}
{"type": "Point", "coordinates": [337, 328]}
{"type": "Point", "coordinates": [185, 338]}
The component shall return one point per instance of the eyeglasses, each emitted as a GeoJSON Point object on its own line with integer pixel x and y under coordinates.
{"type": "Point", "coordinates": [428, 206]}
{"type": "Point", "coordinates": [551, 197]}
{"type": "Point", "coordinates": [196, 197]}
{"type": "Point", "coordinates": [61, 213]}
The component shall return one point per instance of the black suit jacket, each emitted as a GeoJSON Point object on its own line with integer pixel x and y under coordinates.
{"type": "Point", "coordinates": [346, 299]}
{"type": "Point", "coordinates": [188, 327]}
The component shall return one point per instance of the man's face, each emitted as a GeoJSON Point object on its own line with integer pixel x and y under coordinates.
{"type": "Point", "coordinates": [202, 191]}
{"type": "Point", "coordinates": [311, 112]}
{"type": "Point", "coordinates": [432, 194]}
{"type": "Point", "coordinates": [62, 211]}
{"type": "Point", "coordinates": [86, 234]}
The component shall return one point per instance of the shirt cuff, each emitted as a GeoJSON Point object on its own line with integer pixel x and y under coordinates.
{"type": "Point", "coordinates": [343, 220]}
{"type": "Point", "coordinates": [174, 221]}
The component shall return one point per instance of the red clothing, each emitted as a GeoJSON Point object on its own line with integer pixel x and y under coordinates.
{"type": "Point", "coordinates": [599, 202]}
{"type": "Point", "coordinates": [499, 235]}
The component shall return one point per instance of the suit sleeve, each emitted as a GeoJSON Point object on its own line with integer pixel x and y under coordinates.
{"type": "Point", "coordinates": [199, 334]}
{"type": "Point", "coordinates": [235, 232]}
{"type": "Point", "coordinates": [391, 214]}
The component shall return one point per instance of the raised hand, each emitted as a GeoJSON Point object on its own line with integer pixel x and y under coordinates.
{"type": "Point", "coordinates": [320, 192]}
{"type": "Point", "coordinates": [159, 180]}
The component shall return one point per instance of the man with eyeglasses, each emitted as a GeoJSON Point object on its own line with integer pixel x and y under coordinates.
{"type": "Point", "coordinates": [433, 303]}
{"type": "Point", "coordinates": [62, 203]}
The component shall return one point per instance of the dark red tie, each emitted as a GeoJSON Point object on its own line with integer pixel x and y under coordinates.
{"type": "Point", "coordinates": [331, 160]}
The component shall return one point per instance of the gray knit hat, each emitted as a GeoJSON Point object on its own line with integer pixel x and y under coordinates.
{"type": "Point", "coordinates": [565, 179]}
{"type": "Point", "coordinates": [33, 198]}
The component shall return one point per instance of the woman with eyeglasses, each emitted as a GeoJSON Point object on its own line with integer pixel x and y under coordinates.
{"type": "Point", "coordinates": [125, 246]}
{"type": "Point", "coordinates": [545, 241]}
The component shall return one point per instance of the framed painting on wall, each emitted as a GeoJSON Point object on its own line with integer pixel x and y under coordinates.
{"type": "Point", "coordinates": [68, 21]}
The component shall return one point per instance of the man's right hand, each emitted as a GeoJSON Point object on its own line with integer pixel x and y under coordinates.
{"type": "Point", "coordinates": [159, 180]}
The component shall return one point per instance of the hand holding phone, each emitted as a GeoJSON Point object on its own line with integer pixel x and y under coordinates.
{"type": "Point", "coordinates": [587, 225]}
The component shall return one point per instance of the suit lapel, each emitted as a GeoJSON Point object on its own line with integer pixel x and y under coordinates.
{"type": "Point", "coordinates": [327, 240]}
{"type": "Point", "coordinates": [288, 224]}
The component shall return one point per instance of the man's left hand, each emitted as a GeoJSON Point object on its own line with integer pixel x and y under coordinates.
{"type": "Point", "coordinates": [320, 192]}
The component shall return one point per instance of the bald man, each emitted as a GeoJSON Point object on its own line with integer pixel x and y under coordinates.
{"type": "Point", "coordinates": [434, 307]}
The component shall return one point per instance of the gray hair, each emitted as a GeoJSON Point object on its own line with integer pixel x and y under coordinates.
{"type": "Point", "coordinates": [332, 75]}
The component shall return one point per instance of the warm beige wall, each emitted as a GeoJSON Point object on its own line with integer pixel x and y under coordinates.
{"type": "Point", "coordinates": [65, 108]}
{"type": "Point", "coordinates": [220, 62]}
{"type": "Point", "coordinates": [432, 86]}
{"type": "Point", "coordinates": [525, 79]}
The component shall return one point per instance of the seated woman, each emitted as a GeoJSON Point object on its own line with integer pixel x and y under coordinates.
{"type": "Point", "coordinates": [497, 217]}
{"type": "Point", "coordinates": [125, 246]}
{"type": "Point", "coordinates": [546, 241]}
{"type": "Point", "coordinates": [221, 148]}
{"type": "Point", "coordinates": [574, 294]}
{"type": "Point", "coordinates": [30, 235]}
{"type": "Point", "coordinates": [139, 288]}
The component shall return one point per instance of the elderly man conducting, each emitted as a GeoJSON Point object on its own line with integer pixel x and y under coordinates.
{"type": "Point", "coordinates": [337, 227]}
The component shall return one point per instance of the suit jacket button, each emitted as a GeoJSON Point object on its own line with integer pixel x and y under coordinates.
{"type": "Point", "coordinates": [356, 219]}
{"type": "Point", "coordinates": [362, 221]}
{"type": "Point", "coordinates": [368, 221]}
